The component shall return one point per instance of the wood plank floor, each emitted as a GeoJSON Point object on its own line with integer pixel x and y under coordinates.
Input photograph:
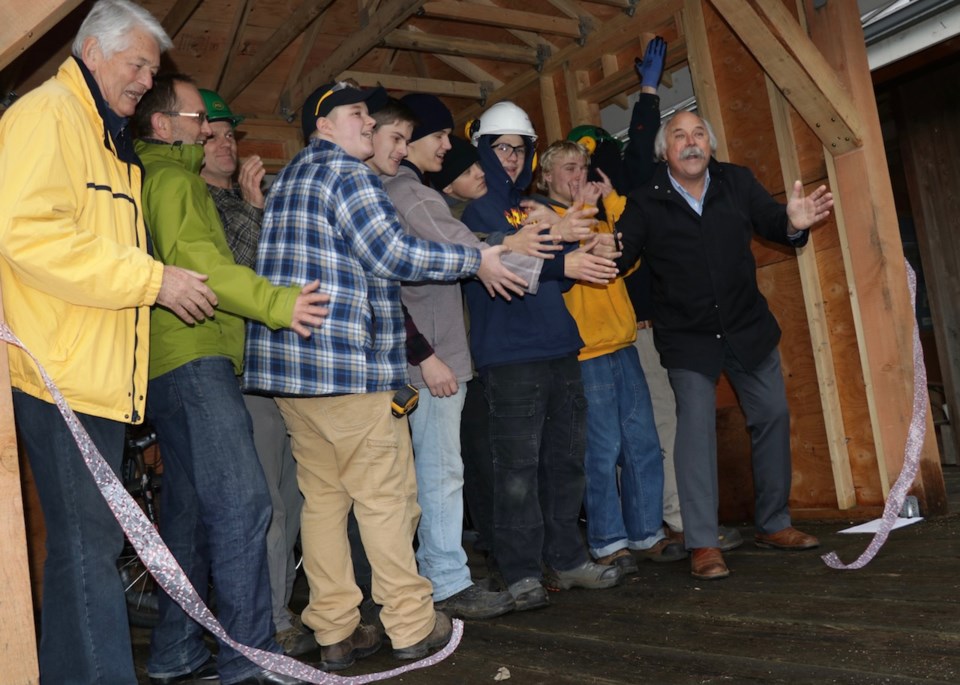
{"type": "Point", "coordinates": [780, 617]}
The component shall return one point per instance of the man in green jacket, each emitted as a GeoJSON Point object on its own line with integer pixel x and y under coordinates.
{"type": "Point", "coordinates": [215, 507]}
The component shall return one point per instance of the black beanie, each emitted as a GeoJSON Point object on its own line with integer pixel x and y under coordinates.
{"type": "Point", "coordinates": [432, 114]}
{"type": "Point", "coordinates": [460, 157]}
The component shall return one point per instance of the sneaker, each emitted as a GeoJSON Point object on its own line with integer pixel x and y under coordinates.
{"type": "Point", "coordinates": [622, 559]}
{"type": "Point", "coordinates": [527, 594]}
{"type": "Point", "coordinates": [588, 575]}
{"type": "Point", "coordinates": [297, 639]}
{"type": "Point", "coordinates": [438, 637]}
{"type": "Point", "coordinates": [474, 602]}
{"type": "Point", "coordinates": [363, 642]}
{"type": "Point", "coordinates": [662, 552]}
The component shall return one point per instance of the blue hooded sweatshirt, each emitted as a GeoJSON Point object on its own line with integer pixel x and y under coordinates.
{"type": "Point", "coordinates": [531, 328]}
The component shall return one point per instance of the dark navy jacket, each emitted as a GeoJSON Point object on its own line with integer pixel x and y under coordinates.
{"type": "Point", "coordinates": [705, 290]}
{"type": "Point", "coordinates": [529, 328]}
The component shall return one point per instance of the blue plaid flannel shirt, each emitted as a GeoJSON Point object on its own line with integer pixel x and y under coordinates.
{"type": "Point", "coordinates": [328, 217]}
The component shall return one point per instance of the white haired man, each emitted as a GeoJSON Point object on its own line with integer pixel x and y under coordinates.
{"type": "Point", "coordinates": [692, 223]}
{"type": "Point", "coordinates": [78, 283]}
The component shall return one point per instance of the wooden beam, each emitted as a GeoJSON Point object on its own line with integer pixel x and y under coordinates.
{"type": "Point", "coordinates": [702, 73]}
{"type": "Point", "coordinates": [462, 47]}
{"type": "Point", "coordinates": [459, 89]}
{"type": "Point", "coordinates": [487, 81]}
{"type": "Point", "coordinates": [552, 129]}
{"type": "Point", "coordinates": [574, 10]}
{"type": "Point", "coordinates": [178, 15]}
{"type": "Point", "coordinates": [611, 36]}
{"type": "Point", "coordinates": [296, 71]}
{"type": "Point", "coordinates": [301, 18]}
{"type": "Point", "coordinates": [534, 40]}
{"type": "Point", "coordinates": [624, 80]}
{"type": "Point", "coordinates": [18, 653]}
{"type": "Point", "coordinates": [876, 263]}
{"type": "Point", "coordinates": [609, 66]}
{"type": "Point", "coordinates": [389, 16]}
{"type": "Point", "coordinates": [816, 315]}
{"type": "Point", "coordinates": [502, 17]}
{"type": "Point", "coordinates": [788, 56]}
{"type": "Point", "coordinates": [237, 27]}
{"type": "Point", "coordinates": [25, 23]}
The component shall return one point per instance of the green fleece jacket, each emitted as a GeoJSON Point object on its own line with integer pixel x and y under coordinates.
{"type": "Point", "coordinates": [182, 220]}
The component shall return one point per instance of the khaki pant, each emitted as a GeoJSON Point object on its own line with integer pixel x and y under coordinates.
{"type": "Point", "coordinates": [351, 451]}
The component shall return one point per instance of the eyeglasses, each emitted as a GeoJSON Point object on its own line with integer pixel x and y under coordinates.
{"type": "Point", "coordinates": [199, 116]}
{"type": "Point", "coordinates": [507, 151]}
{"type": "Point", "coordinates": [339, 85]}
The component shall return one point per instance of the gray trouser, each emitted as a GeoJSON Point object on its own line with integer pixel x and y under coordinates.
{"type": "Point", "coordinates": [280, 469]}
{"type": "Point", "coordinates": [763, 399]}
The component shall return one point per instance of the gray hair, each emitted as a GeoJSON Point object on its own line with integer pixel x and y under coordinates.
{"type": "Point", "coordinates": [660, 142]}
{"type": "Point", "coordinates": [110, 23]}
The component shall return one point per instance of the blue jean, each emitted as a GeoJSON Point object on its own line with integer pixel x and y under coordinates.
{"type": "Point", "coordinates": [537, 426]}
{"type": "Point", "coordinates": [435, 429]}
{"type": "Point", "coordinates": [214, 513]}
{"type": "Point", "coordinates": [621, 429]}
{"type": "Point", "coordinates": [84, 636]}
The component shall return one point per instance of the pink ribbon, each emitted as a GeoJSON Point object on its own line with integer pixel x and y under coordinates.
{"type": "Point", "coordinates": [167, 572]}
{"type": "Point", "coordinates": [911, 458]}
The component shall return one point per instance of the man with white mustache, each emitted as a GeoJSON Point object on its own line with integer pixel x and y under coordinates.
{"type": "Point", "coordinates": [693, 223]}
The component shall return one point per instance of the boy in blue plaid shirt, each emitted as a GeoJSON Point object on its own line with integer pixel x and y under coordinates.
{"type": "Point", "coordinates": [328, 215]}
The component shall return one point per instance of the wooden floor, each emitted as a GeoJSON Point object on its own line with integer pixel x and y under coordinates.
{"type": "Point", "coordinates": [779, 618]}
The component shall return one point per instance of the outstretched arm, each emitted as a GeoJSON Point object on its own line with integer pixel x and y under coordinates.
{"type": "Point", "coordinates": [804, 212]}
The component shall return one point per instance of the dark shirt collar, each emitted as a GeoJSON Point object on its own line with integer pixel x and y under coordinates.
{"type": "Point", "coordinates": [115, 126]}
{"type": "Point", "coordinates": [414, 167]}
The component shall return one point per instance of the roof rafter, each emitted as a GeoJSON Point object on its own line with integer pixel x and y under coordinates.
{"type": "Point", "coordinates": [461, 47]}
{"type": "Point", "coordinates": [22, 27]}
{"type": "Point", "coordinates": [389, 16]}
{"type": "Point", "coordinates": [460, 89]}
{"type": "Point", "coordinates": [301, 18]}
{"type": "Point", "coordinates": [502, 17]}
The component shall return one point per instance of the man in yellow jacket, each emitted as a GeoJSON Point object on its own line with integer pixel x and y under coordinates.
{"type": "Point", "coordinates": [77, 283]}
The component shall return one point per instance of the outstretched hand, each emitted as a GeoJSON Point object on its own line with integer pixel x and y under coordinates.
{"type": "Point", "coordinates": [650, 68]}
{"type": "Point", "coordinates": [804, 212]}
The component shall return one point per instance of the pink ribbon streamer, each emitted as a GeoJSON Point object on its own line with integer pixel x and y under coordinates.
{"type": "Point", "coordinates": [911, 458]}
{"type": "Point", "coordinates": [167, 572]}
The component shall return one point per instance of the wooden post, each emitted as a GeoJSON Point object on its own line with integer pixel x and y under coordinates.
{"type": "Point", "coordinates": [18, 658]}
{"type": "Point", "coordinates": [876, 256]}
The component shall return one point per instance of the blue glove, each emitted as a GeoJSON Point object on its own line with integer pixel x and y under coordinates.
{"type": "Point", "coordinates": [651, 68]}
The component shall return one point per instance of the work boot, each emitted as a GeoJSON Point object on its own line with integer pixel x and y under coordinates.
{"type": "Point", "coordinates": [475, 602]}
{"type": "Point", "coordinates": [588, 575]}
{"type": "Point", "coordinates": [363, 642]}
{"type": "Point", "coordinates": [438, 637]}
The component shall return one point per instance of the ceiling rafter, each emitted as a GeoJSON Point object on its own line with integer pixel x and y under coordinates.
{"type": "Point", "coordinates": [466, 67]}
{"type": "Point", "coordinates": [389, 16]}
{"type": "Point", "coordinates": [301, 18]}
{"type": "Point", "coordinates": [296, 70]}
{"type": "Point", "coordinates": [178, 15]}
{"type": "Point", "coordinates": [502, 17]}
{"type": "Point", "coordinates": [27, 24]}
{"type": "Point", "coordinates": [460, 47]}
{"type": "Point", "coordinates": [236, 30]}
{"type": "Point", "coordinates": [801, 72]}
{"type": "Point", "coordinates": [460, 89]}
{"type": "Point", "coordinates": [534, 40]}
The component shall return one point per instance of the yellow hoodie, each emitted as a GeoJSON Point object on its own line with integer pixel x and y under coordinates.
{"type": "Point", "coordinates": [603, 313]}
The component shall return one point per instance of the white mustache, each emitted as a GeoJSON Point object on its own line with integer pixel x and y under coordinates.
{"type": "Point", "coordinates": [691, 151]}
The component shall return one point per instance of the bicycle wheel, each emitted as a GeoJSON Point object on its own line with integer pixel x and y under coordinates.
{"type": "Point", "coordinates": [141, 479]}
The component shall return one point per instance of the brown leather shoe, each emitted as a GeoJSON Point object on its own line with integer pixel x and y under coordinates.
{"type": "Point", "coordinates": [438, 637]}
{"type": "Point", "coordinates": [706, 563]}
{"type": "Point", "coordinates": [364, 641]}
{"type": "Point", "coordinates": [789, 538]}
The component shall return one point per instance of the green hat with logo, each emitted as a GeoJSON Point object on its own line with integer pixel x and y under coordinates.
{"type": "Point", "coordinates": [217, 108]}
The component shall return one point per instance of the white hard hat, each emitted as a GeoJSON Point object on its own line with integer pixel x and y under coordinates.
{"type": "Point", "coordinates": [501, 119]}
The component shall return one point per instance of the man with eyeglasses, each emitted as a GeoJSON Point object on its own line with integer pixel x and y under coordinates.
{"type": "Point", "coordinates": [328, 217]}
{"type": "Point", "coordinates": [214, 506]}
{"type": "Point", "coordinates": [236, 190]}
